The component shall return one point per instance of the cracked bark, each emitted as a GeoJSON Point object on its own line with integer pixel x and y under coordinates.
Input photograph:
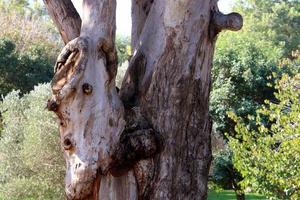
{"type": "Point", "coordinates": [152, 140]}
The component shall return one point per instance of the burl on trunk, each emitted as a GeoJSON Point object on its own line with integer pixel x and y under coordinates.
{"type": "Point", "coordinates": [152, 139]}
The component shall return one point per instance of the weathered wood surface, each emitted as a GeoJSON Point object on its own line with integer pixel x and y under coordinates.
{"type": "Point", "coordinates": [65, 17]}
{"type": "Point", "coordinates": [111, 141]}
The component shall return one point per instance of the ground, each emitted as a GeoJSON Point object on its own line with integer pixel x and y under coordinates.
{"type": "Point", "coordinates": [230, 195]}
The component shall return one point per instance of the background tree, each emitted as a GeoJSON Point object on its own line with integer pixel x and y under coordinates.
{"type": "Point", "coordinates": [28, 48]}
{"type": "Point", "coordinates": [277, 20]}
{"type": "Point", "coordinates": [18, 6]}
{"type": "Point", "coordinates": [225, 175]}
{"type": "Point", "coordinates": [244, 61]}
{"type": "Point", "coordinates": [123, 48]}
{"type": "Point", "coordinates": [22, 71]}
{"type": "Point", "coordinates": [165, 95]}
{"type": "Point", "coordinates": [267, 154]}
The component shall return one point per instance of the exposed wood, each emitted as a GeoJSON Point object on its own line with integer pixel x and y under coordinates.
{"type": "Point", "coordinates": [65, 17]}
{"type": "Point", "coordinates": [100, 150]}
{"type": "Point", "coordinates": [87, 104]}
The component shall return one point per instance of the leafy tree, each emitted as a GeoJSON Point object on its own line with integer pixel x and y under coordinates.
{"type": "Point", "coordinates": [277, 20]}
{"type": "Point", "coordinates": [225, 175]}
{"type": "Point", "coordinates": [31, 164]}
{"type": "Point", "coordinates": [28, 48]}
{"type": "Point", "coordinates": [30, 31]}
{"type": "Point", "coordinates": [244, 61]}
{"type": "Point", "coordinates": [242, 66]}
{"type": "Point", "coordinates": [267, 154]}
{"type": "Point", "coordinates": [123, 48]}
{"type": "Point", "coordinates": [22, 71]}
{"type": "Point", "coordinates": [24, 8]}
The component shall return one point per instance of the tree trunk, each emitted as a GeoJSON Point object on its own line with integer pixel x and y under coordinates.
{"type": "Point", "coordinates": [239, 192]}
{"type": "Point", "coordinates": [152, 140]}
{"type": "Point", "coordinates": [240, 196]}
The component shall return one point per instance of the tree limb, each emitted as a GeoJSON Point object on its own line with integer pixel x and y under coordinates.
{"type": "Point", "coordinates": [65, 17]}
{"type": "Point", "coordinates": [232, 21]}
{"type": "Point", "coordinates": [139, 14]}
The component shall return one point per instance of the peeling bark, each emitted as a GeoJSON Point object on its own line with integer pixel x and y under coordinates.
{"type": "Point", "coordinates": [152, 140]}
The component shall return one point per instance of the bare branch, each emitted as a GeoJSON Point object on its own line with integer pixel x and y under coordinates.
{"type": "Point", "coordinates": [65, 17]}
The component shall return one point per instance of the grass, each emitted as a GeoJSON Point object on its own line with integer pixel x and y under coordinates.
{"type": "Point", "coordinates": [230, 195]}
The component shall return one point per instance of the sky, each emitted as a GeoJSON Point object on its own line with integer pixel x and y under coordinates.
{"type": "Point", "coordinates": [124, 13]}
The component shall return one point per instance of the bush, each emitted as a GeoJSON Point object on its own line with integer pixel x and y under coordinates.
{"type": "Point", "coordinates": [268, 154]}
{"type": "Point", "coordinates": [32, 166]}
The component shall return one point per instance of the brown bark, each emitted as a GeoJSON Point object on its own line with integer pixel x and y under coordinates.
{"type": "Point", "coordinates": [112, 153]}
{"type": "Point", "coordinates": [65, 17]}
{"type": "Point", "coordinates": [169, 79]}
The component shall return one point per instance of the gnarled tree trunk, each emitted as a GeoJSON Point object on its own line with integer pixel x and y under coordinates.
{"type": "Point", "coordinates": [152, 140]}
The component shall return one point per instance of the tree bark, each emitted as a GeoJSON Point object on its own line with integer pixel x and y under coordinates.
{"type": "Point", "coordinates": [152, 140]}
{"type": "Point", "coordinates": [65, 18]}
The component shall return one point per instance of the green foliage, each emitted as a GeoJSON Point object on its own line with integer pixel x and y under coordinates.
{"type": "Point", "coordinates": [28, 8]}
{"type": "Point", "coordinates": [18, 6]}
{"type": "Point", "coordinates": [242, 65]}
{"type": "Point", "coordinates": [31, 164]}
{"type": "Point", "coordinates": [123, 48]}
{"type": "Point", "coordinates": [22, 71]}
{"type": "Point", "coordinates": [268, 154]}
{"type": "Point", "coordinates": [244, 61]}
{"type": "Point", "coordinates": [27, 56]}
{"type": "Point", "coordinates": [277, 20]}
{"type": "Point", "coordinates": [223, 172]}
{"type": "Point", "coordinates": [29, 32]}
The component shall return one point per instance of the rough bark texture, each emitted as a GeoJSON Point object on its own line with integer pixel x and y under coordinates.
{"type": "Point", "coordinates": [169, 79]}
{"type": "Point", "coordinates": [65, 18]}
{"type": "Point", "coordinates": [158, 147]}
{"type": "Point", "coordinates": [140, 10]}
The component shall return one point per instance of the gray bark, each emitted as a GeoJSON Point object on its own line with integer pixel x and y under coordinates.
{"type": "Point", "coordinates": [155, 144]}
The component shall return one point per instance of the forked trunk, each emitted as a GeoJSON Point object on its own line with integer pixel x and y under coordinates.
{"type": "Point", "coordinates": [152, 140]}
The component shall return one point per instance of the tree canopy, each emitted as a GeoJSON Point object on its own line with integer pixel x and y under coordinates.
{"type": "Point", "coordinates": [267, 154]}
{"type": "Point", "coordinates": [244, 61]}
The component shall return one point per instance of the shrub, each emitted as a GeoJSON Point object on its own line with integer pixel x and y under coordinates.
{"type": "Point", "coordinates": [32, 166]}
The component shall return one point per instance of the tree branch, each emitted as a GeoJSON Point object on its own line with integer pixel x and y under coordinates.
{"type": "Point", "coordinates": [140, 10]}
{"type": "Point", "coordinates": [65, 17]}
{"type": "Point", "coordinates": [232, 21]}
